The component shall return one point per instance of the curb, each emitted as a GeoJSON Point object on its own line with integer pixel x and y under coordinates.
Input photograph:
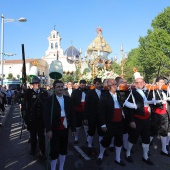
{"type": "Point", "coordinates": [4, 117]}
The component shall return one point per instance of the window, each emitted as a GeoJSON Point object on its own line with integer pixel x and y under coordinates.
{"type": "Point", "coordinates": [56, 45]}
{"type": "Point", "coordinates": [53, 35]}
{"type": "Point", "coordinates": [51, 45]}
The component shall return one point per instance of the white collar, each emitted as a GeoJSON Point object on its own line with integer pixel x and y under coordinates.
{"type": "Point", "coordinates": [38, 90]}
{"type": "Point", "coordinates": [59, 97]}
{"type": "Point", "coordinates": [98, 90]}
{"type": "Point", "coordinates": [113, 94]}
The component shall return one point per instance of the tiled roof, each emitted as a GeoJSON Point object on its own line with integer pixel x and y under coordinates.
{"type": "Point", "coordinates": [18, 61]}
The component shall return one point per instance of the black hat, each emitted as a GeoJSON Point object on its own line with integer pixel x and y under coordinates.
{"type": "Point", "coordinates": [34, 80]}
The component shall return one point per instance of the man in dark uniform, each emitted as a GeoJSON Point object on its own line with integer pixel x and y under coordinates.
{"type": "Point", "coordinates": [124, 94]}
{"type": "Point", "coordinates": [139, 118]}
{"type": "Point", "coordinates": [90, 113]}
{"type": "Point", "coordinates": [159, 116]}
{"type": "Point", "coordinates": [78, 98]}
{"type": "Point", "coordinates": [111, 121]}
{"type": "Point", "coordinates": [33, 110]}
{"type": "Point", "coordinates": [57, 123]}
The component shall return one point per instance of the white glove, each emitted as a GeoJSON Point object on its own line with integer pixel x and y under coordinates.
{"type": "Point", "coordinates": [130, 105]}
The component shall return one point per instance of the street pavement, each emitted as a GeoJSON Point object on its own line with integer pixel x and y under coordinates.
{"type": "Point", "coordinates": [14, 152]}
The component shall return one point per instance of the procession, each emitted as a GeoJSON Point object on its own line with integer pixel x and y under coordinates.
{"type": "Point", "coordinates": [97, 98]}
{"type": "Point", "coordinates": [120, 114]}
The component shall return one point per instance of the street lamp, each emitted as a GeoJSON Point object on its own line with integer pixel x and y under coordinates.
{"type": "Point", "coordinates": [5, 20]}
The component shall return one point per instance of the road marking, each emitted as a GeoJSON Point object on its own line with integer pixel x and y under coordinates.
{"type": "Point", "coordinates": [79, 150]}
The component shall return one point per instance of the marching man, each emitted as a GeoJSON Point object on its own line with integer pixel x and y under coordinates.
{"type": "Point", "coordinates": [78, 98]}
{"type": "Point", "coordinates": [90, 113]}
{"type": "Point", "coordinates": [111, 121]}
{"type": "Point", "coordinates": [139, 120]}
{"type": "Point", "coordinates": [57, 124]}
{"type": "Point", "coordinates": [159, 116]}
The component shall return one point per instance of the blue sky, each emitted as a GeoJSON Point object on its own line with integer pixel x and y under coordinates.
{"type": "Point", "coordinates": [122, 22]}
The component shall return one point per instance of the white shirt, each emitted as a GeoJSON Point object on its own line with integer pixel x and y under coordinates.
{"type": "Point", "coordinates": [61, 102]}
{"type": "Point", "coordinates": [83, 97]}
{"type": "Point", "coordinates": [114, 96]}
{"type": "Point", "coordinates": [98, 92]}
{"type": "Point", "coordinates": [70, 91]}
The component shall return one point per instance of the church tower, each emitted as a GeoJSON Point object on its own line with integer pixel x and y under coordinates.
{"type": "Point", "coordinates": [55, 52]}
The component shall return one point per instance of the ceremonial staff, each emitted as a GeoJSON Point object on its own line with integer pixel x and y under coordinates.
{"type": "Point", "coordinates": [24, 78]}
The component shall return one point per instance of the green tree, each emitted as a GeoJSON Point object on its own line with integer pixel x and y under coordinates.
{"type": "Point", "coordinates": [10, 76]}
{"type": "Point", "coordinates": [28, 78]}
{"type": "Point", "coordinates": [154, 53]}
{"type": "Point", "coordinates": [18, 76]}
{"type": "Point", "coordinates": [152, 57]}
{"type": "Point", "coordinates": [162, 20]}
{"type": "Point", "coordinates": [67, 77]}
{"type": "Point", "coordinates": [116, 67]}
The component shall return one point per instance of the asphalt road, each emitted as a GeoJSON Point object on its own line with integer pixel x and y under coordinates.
{"type": "Point", "coordinates": [14, 152]}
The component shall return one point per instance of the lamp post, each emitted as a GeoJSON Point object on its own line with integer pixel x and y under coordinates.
{"type": "Point", "coordinates": [4, 20]}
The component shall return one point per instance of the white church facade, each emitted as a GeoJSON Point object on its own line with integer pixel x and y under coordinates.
{"type": "Point", "coordinates": [53, 52]}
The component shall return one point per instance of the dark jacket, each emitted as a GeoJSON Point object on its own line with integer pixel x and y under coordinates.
{"type": "Point", "coordinates": [33, 105]}
{"type": "Point", "coordinates": [91, 105]}
{"type": "Point", "coordinates": [106, 108]}
{"type": "Point", "coordinates": [56, 115]}
{"type": "Point", "coordinates": [140, 105]}
{"type": "Point", "coordinates": [77, 95]}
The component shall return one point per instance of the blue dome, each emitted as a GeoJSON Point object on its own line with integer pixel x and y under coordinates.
{"type": "Point", "coordinates": [72, 54]}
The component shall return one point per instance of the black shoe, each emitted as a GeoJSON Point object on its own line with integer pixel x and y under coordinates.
{"type": "Point", "coordinates": [166, 154]}
{"type": "Point", "coordinates": [129, 159]}
{"type": "Point", "coordinates": [99, 161]}
{"type": "Point", "coordinates": [111, 149]}
{"type": "Point", "coordinates": [32, 152]}
{"type": "Point", "coordinates": [76, 142]}
{"type": "Point", "coordinates": [148, 161]}
{"type": "Point", "coordinates": [121, 163]}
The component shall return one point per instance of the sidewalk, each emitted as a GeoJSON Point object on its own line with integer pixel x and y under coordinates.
{"type": "Point", "coordinates": [3, 116]}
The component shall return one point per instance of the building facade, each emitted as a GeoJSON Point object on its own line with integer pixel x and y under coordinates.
{"type": "Point", "coordinates": [54, 52]}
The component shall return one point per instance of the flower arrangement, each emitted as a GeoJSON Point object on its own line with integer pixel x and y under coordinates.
{"type": "Point", "coordinates": [104, 74]}
{"type": "Point", "coordinates": [87, 76]}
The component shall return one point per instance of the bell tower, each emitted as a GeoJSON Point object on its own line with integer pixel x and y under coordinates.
{"type": "Point", "coordinates": [54, 44]}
